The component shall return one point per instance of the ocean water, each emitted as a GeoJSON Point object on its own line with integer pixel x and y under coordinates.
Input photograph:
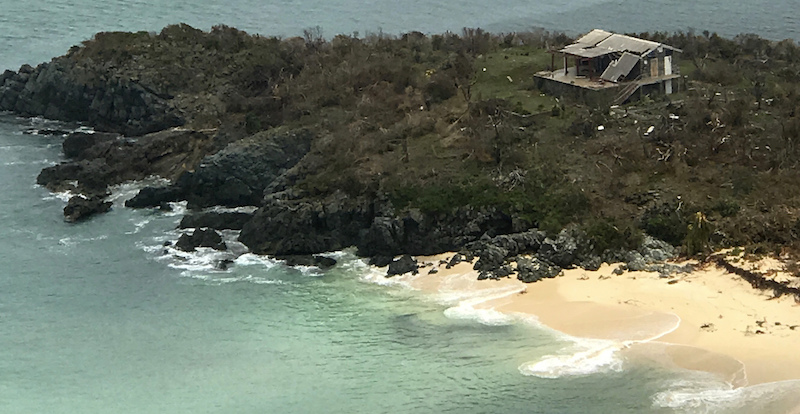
{"type": "Point", "coordinates": [100, 317]}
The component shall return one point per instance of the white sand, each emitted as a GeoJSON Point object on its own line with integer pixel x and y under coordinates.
{"type": "Point", "coordinates": [710, 320]}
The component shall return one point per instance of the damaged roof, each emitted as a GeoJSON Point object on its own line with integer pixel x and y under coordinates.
{"type": "Point", "coordinates": [600, 42]}
{"type": "Point", "coordinates": [620, 68]}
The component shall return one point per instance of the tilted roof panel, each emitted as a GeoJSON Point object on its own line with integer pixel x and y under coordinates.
{"type": "Point", "coordinates": [620, 68]}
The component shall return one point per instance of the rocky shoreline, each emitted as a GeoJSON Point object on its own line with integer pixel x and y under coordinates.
{"type": "Point", "coordinates": [220, 147]}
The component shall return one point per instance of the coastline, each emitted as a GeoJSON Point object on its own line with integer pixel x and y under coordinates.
{"type": "Point", "coordinates": [708, 320]}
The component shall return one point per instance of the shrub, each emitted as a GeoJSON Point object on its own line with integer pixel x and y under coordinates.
{"type": "Point", "coordinates": [611, 235]}
{"type": "Point", "coordinates": [665, 222]}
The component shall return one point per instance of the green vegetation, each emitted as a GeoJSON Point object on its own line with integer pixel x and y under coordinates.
{"type": "Point", "coordinates": [452, 120]}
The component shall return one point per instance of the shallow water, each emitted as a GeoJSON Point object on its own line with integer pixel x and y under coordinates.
{"type": "Point", "coordinates": [101, 317]}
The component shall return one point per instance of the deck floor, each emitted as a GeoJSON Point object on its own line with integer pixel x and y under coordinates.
{"type": "Point", "coordinates": [570, 78]}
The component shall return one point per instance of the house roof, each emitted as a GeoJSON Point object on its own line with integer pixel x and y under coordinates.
{"type": "Point", "coordinates": [600, 42]}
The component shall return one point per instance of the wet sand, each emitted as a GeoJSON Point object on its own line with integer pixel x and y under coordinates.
{"type": "Point", "coordinates": [707, 320]}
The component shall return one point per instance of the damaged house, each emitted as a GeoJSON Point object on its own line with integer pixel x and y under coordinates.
{"type": "Point", "coordinates": [612, 67]}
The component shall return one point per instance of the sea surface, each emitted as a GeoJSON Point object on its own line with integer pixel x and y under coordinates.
{"type": "Point", "coordinates": [101, 317]}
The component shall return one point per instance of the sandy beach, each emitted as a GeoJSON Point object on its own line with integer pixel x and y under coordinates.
{"type": "Point", "coordinates": [708, 320]}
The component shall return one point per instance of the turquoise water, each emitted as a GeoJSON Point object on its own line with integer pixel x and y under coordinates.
{"type": "Point", "coordinates": [100, 318]}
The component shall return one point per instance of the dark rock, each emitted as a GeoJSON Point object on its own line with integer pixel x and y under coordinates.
{"type": "Point", "coordinates": [490, 258]}
{"type": "Point", "coordinates": [456, 259]}
{"type": "Point", "coordinates": [89, 175]}
{"type": "Point", "coordinates": [533, 270]}
{"type": "Point", "coordinates": [288, 227]}
{"type": "Point", "coordinates": [381, 261]}
{"type": "Point", "coordinates": [153, 197]}
{"type": "Point", "coordinates": [433, 271]}
{"type": "Point", "coordinates": [305, 226]}
{"type": "Point", "coordinates": [80, 207]}
{"type": "Point", "coordinates": [619, 270]}
{"type": "Point", "coordinates": [323, 262]}
{"type": "Point", "coordinates": [223, 264]}
{"type": "Point", "coordinates": [200, 238]}
{"type": "Point", "coordinates": [109, 162]}
{"type": "Point", "coordinates": [503, 271]}
{"type": "Point", "coordinates": [216, 220]}
{"type": "Point", "coordinates": [239, 174]}
{"type": "Point", "coordinates": [654, 250]}
{"type": "Point", "coordinates": [635, 262]}
{"type": "Point", "coordinates": [77, 144]}
{"type": "Point", "coordinates": [562, 251]}
{"type": "Point", "coordinates": [65, 90]}
{"type": "Point", "coordinates": [492, 252]}
{"type": "Point", "coordinates": [591, 263]}
{"type": "Point", "coordinates": [404, 264]}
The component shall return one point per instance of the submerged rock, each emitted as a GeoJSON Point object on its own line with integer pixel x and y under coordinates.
{"type": "Point", "coordinates": [201, 238]}
{"type": "Point", "coordinates": [322, 262]}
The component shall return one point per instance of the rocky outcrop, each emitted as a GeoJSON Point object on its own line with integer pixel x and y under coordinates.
{"type": "Point", "coordinates": [238, 175]}
{"type": "Point", "coordinates": [228, 220]}
{"type": "Point", "coordinates": [306, 226]}
{"type": "Point", "coordinates": [300, 227]}
{"type": "Point", "coordinates": [155, 197]}
{"type": "Point", "coordinates": [107, 160]}
{"type": "Point", "coordinates": [417, 233]}
{"type": "Point", "coordinates": [402, 265]}
{"type": "Point", "coordinates": [200, 238]}
{"type": "Point", "coordinates": [80, 208]}
{"type": "Point", "coordinates": [493, 252]}
{"type": "Point", "coordinates": [235, 176]}
{"type": "Point", "coordinates": [65, 90]}
{"type": "Point", "coordinates": [80, 145]}
{"type": "Point", "coordinates": [532, 269]}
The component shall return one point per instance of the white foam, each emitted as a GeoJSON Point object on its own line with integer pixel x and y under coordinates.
{"type": "Point", "coordinates": [377, 275]}
{"type": "Point", "coordinates": [585, 357]}
{"type": "Point", "coordinates": [250, 259]}
{"type": "Point", "coordinates": [709, 395]}
{"type": "Point", "coordinates": [222, 280]}
{"type": "Point", "coordinates": [488, 317]}
{"type": "Point", "coordinates": [36, 162]}
{"type": "Point", "coordinates": [178, 209]}
{"type": "Point", "coordinates": [127, 190]}
{"type": "Point", "coordinates": [138, 226]}
{"type": "Point", "coordinates": [63, 196]}
{"type": "Point", "coordinates": [72, 241]}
